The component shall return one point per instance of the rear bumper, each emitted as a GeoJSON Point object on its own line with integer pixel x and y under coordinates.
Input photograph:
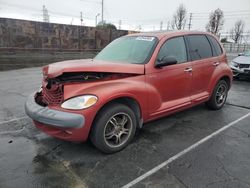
{"type": "Point", "coordinates": [53, 118]}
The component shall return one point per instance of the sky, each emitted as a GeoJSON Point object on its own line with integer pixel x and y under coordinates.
{"type": "Point", "coordinates": [132, 14]}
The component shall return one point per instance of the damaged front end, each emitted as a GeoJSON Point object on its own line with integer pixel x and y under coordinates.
{"type": "Point", "coordinates": [51, 92]}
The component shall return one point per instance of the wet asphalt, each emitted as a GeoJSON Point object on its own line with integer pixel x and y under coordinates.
{"type": "Point", "coordinates": [29, 158]}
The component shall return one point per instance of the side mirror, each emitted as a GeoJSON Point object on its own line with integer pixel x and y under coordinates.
{"type": "Point", "coordinates": [240, 54]}
{"type": "Point", "coordinates": [165, 61]}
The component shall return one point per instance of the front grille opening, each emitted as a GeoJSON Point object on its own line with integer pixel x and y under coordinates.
{"type": "Point", "coordinates": [39, 99]}
{"type": "Point", "coordinates": [244, 66]}
{"type": "Point", "coordinates": [52, 95]}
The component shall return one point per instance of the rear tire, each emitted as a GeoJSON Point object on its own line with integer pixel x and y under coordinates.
{"type": "Point", "coordinates": [219, 96]}
{"type": "Point", "coordinates": [114, 128]}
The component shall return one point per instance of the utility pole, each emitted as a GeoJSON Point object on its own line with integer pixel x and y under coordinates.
{"type": "Point", "coordinates": [81, 19]}
{"type": "Point", "coordinates": [190, 21]}
{"type": "Point", "coordinates": [168, 28]}
{"type": "Point", "coordinates": [45, 14]}
{"type": "Point", "coordinates": [96, 22]}
{"type": "Point", "coordinates": [102, 9]}
{"type": "Point", "coordinates": [161, 24]}
{"type": "Point", "coordinates": [120, 24]}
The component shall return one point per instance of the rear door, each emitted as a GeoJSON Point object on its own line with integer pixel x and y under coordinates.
{"type": "Point", "coordinates": [203, 64]}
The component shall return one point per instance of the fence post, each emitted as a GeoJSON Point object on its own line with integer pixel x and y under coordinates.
{"type": "Point", "coordinates": [60, 39]}
{"type": "Point", "coordinates": [95, 40]}
{"type": "Point", "coordinates": [79, 42]}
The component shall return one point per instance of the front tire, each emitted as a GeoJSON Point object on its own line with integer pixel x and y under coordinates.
{"type": "Point", "coordinates": [219, 96]}
{"type": "Point", "coordinates": [114, 128]}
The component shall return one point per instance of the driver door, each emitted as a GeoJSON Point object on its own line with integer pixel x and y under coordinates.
{"type": "Point", "coordinates": [173, 82]}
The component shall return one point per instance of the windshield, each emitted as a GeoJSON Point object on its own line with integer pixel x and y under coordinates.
{"type": "Point", "coordinates": [247, 53]}
{"type": "Point", "coordinates": [131, 49]}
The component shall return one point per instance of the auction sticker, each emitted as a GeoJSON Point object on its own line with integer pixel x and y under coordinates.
{"type": "Point", "coordinates": [145, 38]}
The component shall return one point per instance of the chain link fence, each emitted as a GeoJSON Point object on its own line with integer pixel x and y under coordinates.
{"type": "Point", "coordinates": [235, 48]}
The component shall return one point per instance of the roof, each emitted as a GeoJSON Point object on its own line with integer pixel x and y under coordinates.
{"type": "Point", "coordinates": [161, 34]}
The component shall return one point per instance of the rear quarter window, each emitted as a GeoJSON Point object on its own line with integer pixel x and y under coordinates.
{"type": "Point", "coordinates": [217, 48]}
{"type": "Point", "coordinates": [200, 47]}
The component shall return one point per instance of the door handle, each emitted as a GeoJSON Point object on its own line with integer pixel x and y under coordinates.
{"type": "Point", "coordinates": [189, 69]}
{"type": "Point", "coordinates": [216, 64]}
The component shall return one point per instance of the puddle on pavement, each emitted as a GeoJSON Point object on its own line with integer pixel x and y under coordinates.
{"type": "Point", "coordinates": [21, 166]}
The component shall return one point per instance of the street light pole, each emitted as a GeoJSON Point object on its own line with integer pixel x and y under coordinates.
{"type": "Point", "coordinates": [102, 10]}
{"type": "Point", "coordinates": [96, 18]}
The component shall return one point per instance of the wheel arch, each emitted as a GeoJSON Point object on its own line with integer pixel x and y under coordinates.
{"type": "Point", "coordinates": [216, 78]}
{"type": "Point", "coordinates": [128, 101]}
{"type": "Point", "coordinates": [226, 79]}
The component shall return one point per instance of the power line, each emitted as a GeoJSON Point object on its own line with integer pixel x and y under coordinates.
{"type": "Point", "coordinates": [196, 16]}
{"type": "Point", "coordinates": [236, 11]}
{"type": "Point", "coordinates": [51, 12]}
{"type": "Point", "coordinates": [95, 2]}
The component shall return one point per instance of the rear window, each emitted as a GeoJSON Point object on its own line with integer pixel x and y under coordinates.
{"type": "Point", "coordinates": [216, 45]}
{"type": "Point", "coordinates": [200, 47]}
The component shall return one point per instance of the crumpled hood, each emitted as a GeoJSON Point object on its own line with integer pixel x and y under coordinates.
{"type": "Point", "coordinates": [242, 59]}
{"type": "Point", "coordinates": [89, 65]}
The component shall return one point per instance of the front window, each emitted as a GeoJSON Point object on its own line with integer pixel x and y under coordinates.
{"type": "Point", "coordinates": [174, 47]}
{"type": "Point", "coordinates": [130, 49]}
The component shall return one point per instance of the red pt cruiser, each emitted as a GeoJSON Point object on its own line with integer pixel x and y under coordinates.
{"type": "Point", "coordinates": [135, 79]}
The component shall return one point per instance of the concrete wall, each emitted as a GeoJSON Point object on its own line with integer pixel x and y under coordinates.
{"type": "Point", "coordinates": [28, 43]}
{"type": "Point", "coordinates": [38, 35]}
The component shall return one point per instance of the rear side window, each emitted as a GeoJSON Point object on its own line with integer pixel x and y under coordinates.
{"type": "Point", "coordinates": [216, 45]}
{"type": "Point", "coordinates": [174, 47]}
{"type": "Point", "coordinates": [200, 47]}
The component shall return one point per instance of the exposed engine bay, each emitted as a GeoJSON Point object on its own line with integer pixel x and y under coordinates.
{"type": "Point", "coordinates": [84, 77]}
{"type": "Point", "coordinates": [52, 88]}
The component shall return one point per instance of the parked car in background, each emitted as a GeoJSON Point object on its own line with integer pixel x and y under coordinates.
{"type": "Point", "coordinates": [135, 79]}
{"type": "Point", "coordinates": [241, 65]}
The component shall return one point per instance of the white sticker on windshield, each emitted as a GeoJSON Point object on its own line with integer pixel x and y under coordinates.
{"type": "Point", "coordinates": [145, 38]}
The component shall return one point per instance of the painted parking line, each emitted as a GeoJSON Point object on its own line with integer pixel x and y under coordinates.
{"type": "Point", "coordinates": [190, 148]}
{"type": "Point", "coordinates": [14, 119]}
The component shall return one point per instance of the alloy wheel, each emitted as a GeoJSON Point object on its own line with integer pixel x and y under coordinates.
{"type": "Point", "coordinates": [118, 129]}
{"type": "Point", "coordinates": [221, 94]}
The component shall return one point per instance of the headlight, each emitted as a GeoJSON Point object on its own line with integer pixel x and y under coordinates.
{"type": "Point", "coordinates": [79, 103]}
{"type": "Point", "coordinates": [234, 64]}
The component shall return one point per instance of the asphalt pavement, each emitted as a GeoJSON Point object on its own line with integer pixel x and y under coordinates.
{"type": "Point", "coordinates": [30, 158]}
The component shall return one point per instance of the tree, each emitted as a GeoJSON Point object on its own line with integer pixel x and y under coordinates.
{"type": "Point", "coordinates": [105, 25]}
{"type": "Point", "coordinates": [224, 40]}
{"type": "Point", "coordinates": [216, 21]}
{"type": "Point", "coordinates": [179, 18]}
{"type": "Point", "coordinates": [237, 30]}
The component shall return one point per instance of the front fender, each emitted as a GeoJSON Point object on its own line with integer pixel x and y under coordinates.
{"type": "Point", "coordinates": [106, 91]}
